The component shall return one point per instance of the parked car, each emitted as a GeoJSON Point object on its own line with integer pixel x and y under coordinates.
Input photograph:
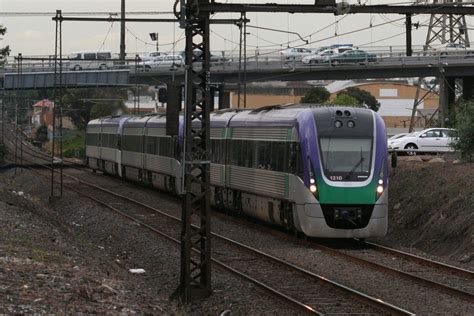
{"type": "Point", "coordinates": [318, 58]}
{"type": "Point", "coordinates": [162, 62]}
{"type": "Point", "coordinates": [351, 56]}
{"type": "Point", "coordinates": [90, 60]}
{"type": "Point", "coordinates": [428, 140]}
{"type": "Point", "coordinates": [295, 53]}
{"type": "Point", "coordinates": [451, 49]}
{"type": "Point", "coordinates": [397, 136]}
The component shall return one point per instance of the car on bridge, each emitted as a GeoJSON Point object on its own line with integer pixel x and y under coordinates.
{"type": "Point", "coordinates": [428, 140]}
{"type": "Point", "coordinates": [351, 57]}
{"type": "Point", "coordinates": [152, 56]}
{"type": "Point", "coordinates": [295, 53]}
{"type": "Point", "coordinates": [90, 60]}
{"type": "Point", "coordinates": [164, 62]}
{"type": "Point", "coordinates": [318, 58]}
{"type": "Point", "coordinates": [451, 49]}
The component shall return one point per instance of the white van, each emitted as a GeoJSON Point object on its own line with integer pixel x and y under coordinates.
{"type": "Point", "coordinates": [90, 60]}
{"type": "Point", "coordinates": [164, 62]}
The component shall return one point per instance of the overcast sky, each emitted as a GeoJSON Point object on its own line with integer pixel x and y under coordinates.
{"type": "Point", "coordinates": [35, 35]}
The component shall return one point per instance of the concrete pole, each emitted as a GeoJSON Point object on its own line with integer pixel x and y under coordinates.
{"type": "Point", "coordinates": [122, 31]}
{"type": "Point", "coordinates": [443, 100]}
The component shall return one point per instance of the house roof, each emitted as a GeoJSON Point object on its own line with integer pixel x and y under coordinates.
{"type": "Point", "coordinates": [44, 103]}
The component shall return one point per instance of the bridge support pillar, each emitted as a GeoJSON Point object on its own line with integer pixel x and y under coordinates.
{"type": "Point", "coordinates": [224, 98]}
{"type": "Point", "coordinates": [468, 88]}
{"type": "Point", "coordinates": [447, 98]}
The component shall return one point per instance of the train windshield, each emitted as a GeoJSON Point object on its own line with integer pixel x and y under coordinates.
{"type": "Point", "coordinates": [346, 159]}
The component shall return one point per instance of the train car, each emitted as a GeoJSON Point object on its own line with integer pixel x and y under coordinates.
{"type": "Point", "coordinates": [162, 168]}
{"type": "Point", "coordinates": [318, 170]}
{"type": "Point", "coordinates": [103, 144]}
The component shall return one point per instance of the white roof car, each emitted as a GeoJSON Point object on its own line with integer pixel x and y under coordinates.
{"type": "Point", "coordinates": [397, 136]}
{"type": "Point", "coordinates": [451, 49]}
{"type": "Point", "coordinates": [428, 140]}
{"type": "Point", "coordinates": [295, 53]}
{"type": "Point", "coordinates": [152, 55]}
{"type": "Point", "coordinates": [318, 58]}
{"type": "Point", "coordinates": [162, 62]}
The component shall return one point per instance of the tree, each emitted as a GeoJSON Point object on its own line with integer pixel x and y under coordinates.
{"type": "Point", "coordinates": [42, 133]}
{"type": "Point", "coordinates": [82, 105]}
{"type": "Point", "coordinates": [5, 51]}
{"type": "Point", "coordinates": [363, 97]}
{"type": "Point", "coordinates": [345, 99]}
{"type": "Point", "coordinates": [464, 142]}
{"type": "Point", "coordinates": [316, 95]}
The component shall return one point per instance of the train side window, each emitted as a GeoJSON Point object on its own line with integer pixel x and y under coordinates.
{"type": "Point", "coordinates": [234, 151]}
{"type": "Point", "coordinates": [150, 145]}
{"type": "Point", "coordinates": [104, 138]}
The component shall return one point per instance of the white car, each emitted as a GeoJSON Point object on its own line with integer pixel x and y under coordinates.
{"type": "Point", "coordinates": [428, 140]}
{"type": "Point", "coordinates": [397, 136]}
{"type": "Point", "coordinates": [152, 56]}
{"type": "Point", "coordinates": [318, 58]}
{"type": "Point", "coordinates": [164, 62]}
{"type": "Point", "coordinates": [295, 53]}
{"type": "Point", "coordinates": [451, 49]}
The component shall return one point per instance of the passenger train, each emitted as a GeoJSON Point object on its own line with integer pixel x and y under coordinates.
{"type": "Point", "coordinates": [319, 170]}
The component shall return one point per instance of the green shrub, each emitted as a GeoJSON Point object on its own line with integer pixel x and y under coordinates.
{"type": "Point", "coordinates": [464, 125]}
{"type": "Point", "coordinates": [42, 133]}
{"type": "Point", "coordinates": [316, 95]}
{"type": "Point", "coordinates": [74, 147]}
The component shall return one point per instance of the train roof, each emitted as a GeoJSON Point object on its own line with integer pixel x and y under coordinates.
{"type": "Point", "coordinates": [157, 121]}
{"type": "Point", "coordinates": [113, 120]}
{"type": "Point", "coordinates": [137, 121]}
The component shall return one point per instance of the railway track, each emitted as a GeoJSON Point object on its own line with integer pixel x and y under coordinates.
{"type": "Point", "coordinates": [451, 280]}
{"type": "Point", "coordinates": [461, 286]}
{"type": "Point", "coordinates": [307, 291]}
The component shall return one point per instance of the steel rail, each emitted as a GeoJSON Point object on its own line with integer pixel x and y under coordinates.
{"type": "Point", "coordinates": [423, 261]}
{"type": "Point", "coordinates": [386, 269]}
{"type": "Point", "coordinates": [371, 301]}
{"type": "Point", "coordinates": [374, 302]}
{"type": "Point", "coordinates": [293, 302]}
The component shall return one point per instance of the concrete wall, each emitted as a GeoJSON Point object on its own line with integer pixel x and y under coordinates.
{"type": "Point", "coordinates": [396, 101]}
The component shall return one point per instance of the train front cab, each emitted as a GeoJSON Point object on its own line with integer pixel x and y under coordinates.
{"type": "Point", "coordinates": [343, 193]}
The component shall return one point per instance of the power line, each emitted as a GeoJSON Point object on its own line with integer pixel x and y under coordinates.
{"type": "Point", "coordinates": [27, 14]}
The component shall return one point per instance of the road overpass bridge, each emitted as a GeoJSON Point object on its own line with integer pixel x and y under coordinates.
{"type": "Point", "coordinates": [264, 69]}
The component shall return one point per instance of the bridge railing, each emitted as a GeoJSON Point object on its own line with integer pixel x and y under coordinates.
{"type": "Point", "coordinates": [265, 60]}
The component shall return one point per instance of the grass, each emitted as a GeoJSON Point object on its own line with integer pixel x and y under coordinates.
{"type": "Point", "coordinates": [74, 144]}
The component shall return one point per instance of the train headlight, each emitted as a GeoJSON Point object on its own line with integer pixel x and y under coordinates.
{"type": "Point", "coordinates": [379, 189]}
{"type": "Point", "coordinates": [313, 188]}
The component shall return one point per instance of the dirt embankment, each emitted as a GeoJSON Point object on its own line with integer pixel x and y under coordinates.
{"type": "Point", "coordinates": [432, 209]}
{"type": "Point", "coordinates": [47, 266]}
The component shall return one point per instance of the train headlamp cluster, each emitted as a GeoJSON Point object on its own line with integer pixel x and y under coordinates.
{"type": "Point", "coordinates": [339, 124]}
{"type": "Point", "coordinates": [312, 185]}
{"type": "Point", "coordinates": [380, 187]}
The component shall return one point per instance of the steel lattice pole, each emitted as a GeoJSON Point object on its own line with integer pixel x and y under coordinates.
{"type": "Point", "coordinates": [195, 241]}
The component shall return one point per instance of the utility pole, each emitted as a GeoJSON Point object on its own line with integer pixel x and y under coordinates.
{"type": "Point", "coordinates": [443, 28]}
{"type": "Point", "coordinates": [195, 281]}
{"type": "Point", "coordinates": [122, 31]}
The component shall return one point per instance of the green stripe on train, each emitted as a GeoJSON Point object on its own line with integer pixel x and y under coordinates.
{"type": "Point", "coordinates": [344, 195]}
{"type": "Point", "coordinates": [287, 185]}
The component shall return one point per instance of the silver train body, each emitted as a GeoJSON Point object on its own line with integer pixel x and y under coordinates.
{"type": "Point", "coordinates": [269, 182]}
